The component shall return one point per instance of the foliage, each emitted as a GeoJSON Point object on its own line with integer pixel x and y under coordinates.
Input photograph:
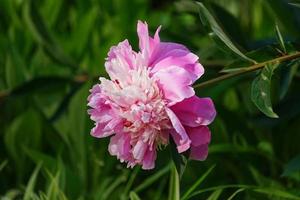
{"type": "Point", "coordinates": [52, 51]}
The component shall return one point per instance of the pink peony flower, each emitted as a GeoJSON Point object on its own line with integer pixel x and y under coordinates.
{"type": "Point", "coordinates": [148, 99]}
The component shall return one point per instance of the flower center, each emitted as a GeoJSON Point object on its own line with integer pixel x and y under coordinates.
{"type": "Point", "coordinates": [141, 106]}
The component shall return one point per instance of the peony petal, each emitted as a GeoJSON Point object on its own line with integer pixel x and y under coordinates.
{"type": "Point", "coordinates": [180, 136]}
{"type": "Point", "coordinates": [139, 150]}
{"type": "Point", "coordinates": [199, 135]}
{"type": "Point", "coordinates": [175, 83]}
{"type": "Point", "coordinates": [120, 60]}
{"type": "Point", "coordinates": [199, 152]}
{"type": "Point", "coordinates": [149, 159]}
{"type": "Point", "coordinates": [120, 146]}
{"type": "Point", "coordinates": [142, 30]}
{"type": "Point", "coordinates": [195, 111]}
{"type": "Point", "coordinates": [183, 59]}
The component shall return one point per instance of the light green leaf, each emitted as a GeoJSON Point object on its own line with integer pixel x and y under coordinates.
{"type": "Point", "coordinates": [29, 192]}
{"type": "Point", "coordinates": [215, 195]}
{"type": "Point", "coordinates": [261, 90]}
{"type": "Point", "coordinates": [280, 39]}
{"type": "Point", "coordinates": [174, 185]}
{"type": "Point", "coordinates": [197, 183]}
{"type": "Point", "coordinates": [236, 193]}
{"type": "Point", "coordinates": [216, 31]}
{"type": "Point", "coordinates": [134, 196]}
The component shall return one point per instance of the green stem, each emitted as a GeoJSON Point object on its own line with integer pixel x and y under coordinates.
{"type": "Point", "coordinates": [248, 69]}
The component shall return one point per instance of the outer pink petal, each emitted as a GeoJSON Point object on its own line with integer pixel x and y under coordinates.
{"type": "Point", "coordinates": [179, 135]}
{"type": "Point", "coordinates": [149, 159]}
{"type": "Point", "coordinates": [120, 146]}
{"type": "Point", "coordinates": [175, 83]}
{"type": "Point", "coordinates": [183, 59]}
{"type": "Point", "coordinates": [199, 152]}
{"type": "Point", "coordinates": [163, 50]}
{"type": "Point", "coordinates": [139, 150]}
{"type": "Point", "coordinates": [199, 135]}
{"type": "Point", "coordinates": [195, 111]}
{"type": "Point", "coordinates": [120, 60]}
{"type": "Point", "coordinates": [144, 39]}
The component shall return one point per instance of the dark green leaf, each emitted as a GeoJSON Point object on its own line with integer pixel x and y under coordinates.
{"type": "Point", "coordinates": [179, 160]}
{"type": "Point", "coordinates": [215, 195]}
{"type": "Point", "coordinates": [16, 72]}
{"type": "Point", "coordinates": [260, 55]}
{"type": "Point", "coordinates": [292, 166]}
{"type": "Point", "coordinates": [209, 22]}
{"type": "Point", "coordinates": [41, 33]}
{"type": "Point", "coordinates": [155, 177]}
{"type": "Point", "coordinates": [197, 183]}
{"type": "Point", "coordinates": [261, 91]}
{"type": "Point", "coordinates": [288, 72]}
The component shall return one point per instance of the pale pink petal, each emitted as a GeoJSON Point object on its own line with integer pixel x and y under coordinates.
{"type": "Point", "coordinates": [199, 152]}
{"type": "Point", "coordinates": [180, 136]}
{"type": "Point", "coordinates": [198, 135]}
{"type": "Point", "coordinates": [139, 150]}
{"type": "Point", "coordinates": [144, 39]}
{"type": "Point", "coordinates": [120, 146]}
{"type": "Point", "coordinates": [195, 111]}
{"type": "Point", "coordinates": [175, 83]}
{"type": "Point", "coordinates": [120, 60]}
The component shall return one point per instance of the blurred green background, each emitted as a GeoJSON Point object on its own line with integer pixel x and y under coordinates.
{"type": "Point", "coordinates": [53, 51]}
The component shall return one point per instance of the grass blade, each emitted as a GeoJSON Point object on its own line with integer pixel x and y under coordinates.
{"type": "Point", "coordinates": [174, 185]}
{"type": "Point", "coordinates": [153, 178]}
{"type": "Point", "coordinates": [31, 183]}
{"type": "Point", "coordinates": [197, 183]}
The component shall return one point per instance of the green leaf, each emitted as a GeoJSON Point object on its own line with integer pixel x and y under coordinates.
{"type": "Point", "coordinates": [295, 4]}
{"type": "Point", "coordinates": [3, 164]}
{"type": "Point", "coordinates": [260, 55]}
{"type": "Point", "coordinates": [134, 196]}
{"type": "Point", "coordinates": [130, 181]}
{"type": "Point", "coordinates": [236, 193]}
{"type": "Point", "coordinates": [215, 195]}
{"type": "Point", "coordinates": [29, 192]}
{"type": "Point", "coordinates": [197, 183]}
{"type": "Point", "coordinates": [40, 84]}
{"type": "Point", "coordinates": [174, 185]}
{"type": "Point", "coordinates": [15, 69]}
{"type": "Point", "coordinates": [121, 179]}
{"type": "Point", "coordinates": [261, 90]}
{"type": "Point", "coordinates": [292, 166]}
{"type": "Point", "coordinates": [288, 72]}
{"type": "Point", "coordinates": [179, 160]}
{"type": "Point", "coordinates": [211, 24]}
{"type": "Point", "coordinates": [82, 31]}
{"type": "Point", "coordinates": [153, 178]}
{"type": "Point", "coordinates": [280, 39]}
{"type": "Point", "coordinates": [276, 193]}
{"type": "Point", "coordinates": [41, 33]}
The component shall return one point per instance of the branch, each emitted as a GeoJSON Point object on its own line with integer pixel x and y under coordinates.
{"type": "Point", "coordinates": [248, 69]}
